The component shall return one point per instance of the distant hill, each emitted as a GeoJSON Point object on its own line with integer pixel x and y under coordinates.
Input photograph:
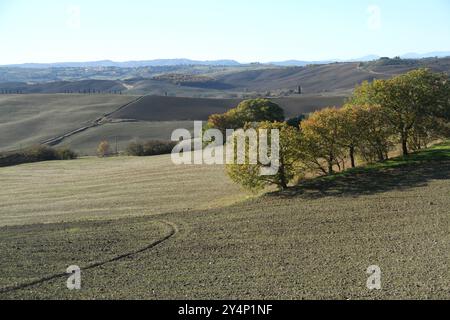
{"type": "Point", "coordinates": [312, 79]}
{"type": "Point", "coordinates": [390, 67]}
{"type": "Point", "coordinates": [221, 82]}
{"type": "Point", "coordinates": [223, 62]}
{"type": "Point", "coordinates": [84, 86]}
{"type": "Point", "coordinates": [333, 77]}
{"type": "Point", "coordinates": [438, 54]}
{"type": "Point", "coordinates": [127, 64]}
{"type": "Point", "coordinates": [300, 63]}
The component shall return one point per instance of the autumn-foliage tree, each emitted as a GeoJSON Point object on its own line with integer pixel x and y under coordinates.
{"type": "Point", "coordinates": [407, 100]}
{"type": "Point", "coordinates": [375, 134]}
{"type": "Point", "coordinates": [320, 140]}
{"type": "Point", "coordinates": [249, 175]}
{"type": "Point", "coordinates": [425, 131]}
{"type": "Point", "coordinates": [411, 109]}
{"type": "Point", "coordinates": [103, 149]}
{"type": "Point", "coordinates": [350, 130]}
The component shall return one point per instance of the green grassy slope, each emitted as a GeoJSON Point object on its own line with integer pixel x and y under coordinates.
{"type": "Point", "coordinates": [31, 119]}
{"type": "Point", "coordinates": [315, 241]}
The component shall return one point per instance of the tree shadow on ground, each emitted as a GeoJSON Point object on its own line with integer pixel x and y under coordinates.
{"type": "Point", "coordinates": [397, 174]}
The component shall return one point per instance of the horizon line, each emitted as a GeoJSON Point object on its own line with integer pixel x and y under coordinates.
{"type": "Point", "coordinates": [233, 60]}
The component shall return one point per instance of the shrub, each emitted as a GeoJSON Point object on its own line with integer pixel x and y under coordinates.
{"type": "Point", "coordinates": [103, 149]}
{"type": "Point", "coordinates": [135, 149]}
{"type": "Point", "coordinates": [40, 153]}
{"type": "Point", "coordinates": [295, 122]}
{"type": "Point", "coordinates": [157, 147]}
{"type": "Point", "coordinates": [66, 154]}
{"type": "Point", "coordinates": [150, 148]}
{"type": "Point", "coordinates": [35, 154]}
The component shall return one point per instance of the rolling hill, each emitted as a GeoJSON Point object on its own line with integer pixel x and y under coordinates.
{"type": "Point", "coordinates": [170, 97]}
{"type": "Point", "coordinates": [31, 119]}
{"type": "Point", "coordinates": [226, 81]}
{"type": "Point", "coordinates": [82, 121]}
{"type": "Point", "coordinates": [156, 108]}
{"type": "Point", "coordinates": [328, 77]}
{"type": "Point", "coordinates": [155, 117]}
{"type": "Point", "coordinates": [84, 86]}
{"type": "Point", "coordinates": [143, 228]}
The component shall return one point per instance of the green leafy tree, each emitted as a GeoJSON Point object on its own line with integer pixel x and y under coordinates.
{"type": "Point", "coordinates": [257, 110]}
{"type": "Point", "coordinates": [248, 111]}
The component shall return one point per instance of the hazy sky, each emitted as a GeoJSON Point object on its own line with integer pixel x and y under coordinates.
{"type": "Point", "coordinates": [245, 30]}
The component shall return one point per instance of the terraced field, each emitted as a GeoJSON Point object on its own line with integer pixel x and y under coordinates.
{"type": "Point", "coordinates": [314, 241]}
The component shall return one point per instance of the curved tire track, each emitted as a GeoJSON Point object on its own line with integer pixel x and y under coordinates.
{"type": "Point", "coordinates": [173, 231]}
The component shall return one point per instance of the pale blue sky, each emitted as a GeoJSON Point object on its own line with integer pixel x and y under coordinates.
{"type": "Point", "coordinates": [245, 30]}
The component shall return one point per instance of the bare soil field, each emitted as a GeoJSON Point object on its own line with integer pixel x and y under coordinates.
{"type": "Point", "coordinates": [98, 188]}
{"type": "Point", "coordinates": [313, 241]}
{"type": "Point", "coordinates": [158, 108]}
{"type": "Point", "coordinates": [30, 119]}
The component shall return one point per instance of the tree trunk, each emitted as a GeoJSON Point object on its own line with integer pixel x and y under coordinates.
{"type": "Point", "coordinates": [283, 186]}
{"type": "Point", "coordinates": [405, 144]}
{"type": "Point", "coordinates": [352, 156]}
{"type": "Point", "coordinates": [380, 156]}
{"type": "Point", "coordinates": [283, 183]}
{"type": "Point", "coordinates": [330, 168]}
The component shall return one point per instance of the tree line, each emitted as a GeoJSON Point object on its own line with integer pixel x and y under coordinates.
{"type": "Point", "coordinates": [410, 111]}
{"type": "Point", "coordinates": [36, 153]}
{"type": "Point", "coordinates": [9, 91]}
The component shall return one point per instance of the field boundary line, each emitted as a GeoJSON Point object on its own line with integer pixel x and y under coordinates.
{"type": "Point", "coordinates": [96, 123]}
{"type": "Point", "coordinates": [173, 231]}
